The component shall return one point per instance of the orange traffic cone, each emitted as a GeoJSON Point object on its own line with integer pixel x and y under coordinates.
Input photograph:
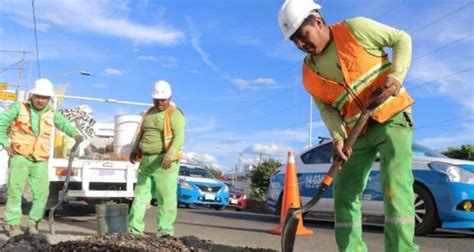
{"type": "Point", "coordinates": [291, 197]}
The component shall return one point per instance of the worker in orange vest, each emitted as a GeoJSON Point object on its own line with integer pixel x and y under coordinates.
{"type": "Point", "coordinates": [344, 66]}
{"type": "Point", "coordinates": [30, 126]}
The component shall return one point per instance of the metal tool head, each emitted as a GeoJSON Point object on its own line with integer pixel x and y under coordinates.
{"type": "Point", "coordinates": [289, 230]}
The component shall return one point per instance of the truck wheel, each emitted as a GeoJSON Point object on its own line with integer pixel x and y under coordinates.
{"type": "Point", "coordinates": [219, 208]}
{"type": "Point", "coordinates": [426, 214]}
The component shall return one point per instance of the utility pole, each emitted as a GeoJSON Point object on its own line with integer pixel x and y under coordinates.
{"type": "Point", "coordinates": [20, 74]}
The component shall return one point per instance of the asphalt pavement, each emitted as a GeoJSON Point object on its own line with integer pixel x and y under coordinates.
{"type": "Point", "coordinates": [243, 229]}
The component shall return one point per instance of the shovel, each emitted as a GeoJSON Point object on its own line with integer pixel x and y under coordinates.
{"type": "Point", "coordinates": [290, 224]}
{"type": "Point", "coordinates": [63, 192]}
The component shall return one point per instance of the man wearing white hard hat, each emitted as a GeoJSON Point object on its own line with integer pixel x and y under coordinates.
{"type": "Point", "coordinates": [345, 65]}
{"type": "Point", "coordinates": [25, 133]}
{"type": "Point", "coordinates": [158, 144]}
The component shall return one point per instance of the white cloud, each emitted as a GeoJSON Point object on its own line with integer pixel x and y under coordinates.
{"type": "Point", "coordinates": [163, 61]}
{"type": "Point", "coordinates": [443, 78]}
{"type": "Point", "coordinates": [195, 126]}
{"type": "Point", "coordinates": [113, 72]}
{"type": "Point", "coordinates": [259, 83]}
{"type": "Point", "coordinates": [147, 58]}
{"type": "Point", "coordinates": [442, 142]}
{"type": "Point", "coordinates": [201, 158]}
{"type": "Point", "coordinates": [100, 85]}
{"type": "Point", "coordinates": [265, 81]}
{"type": "Point", "coordinates": [195, 42]}
{"type": "Point", "coordinates": [105, 17]}
{"type": "Point", "coordinates": [267, 149]}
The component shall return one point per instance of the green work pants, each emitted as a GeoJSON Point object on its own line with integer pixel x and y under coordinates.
{"type": "Point", "coordinates": [164, 182]}
{"type": "Point", "coordinates": [21, 170]}
{"type": "Point", "coordinates": [392, 140]}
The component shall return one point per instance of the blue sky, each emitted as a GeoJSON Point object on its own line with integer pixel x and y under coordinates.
{"type": "Point", "coordinates": [236, 79]}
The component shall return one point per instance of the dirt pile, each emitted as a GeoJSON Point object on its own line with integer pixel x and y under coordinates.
{"type": "Point", "coordinates": [122, 242]}
{"type": "Point", "coordinates": [25, 242]}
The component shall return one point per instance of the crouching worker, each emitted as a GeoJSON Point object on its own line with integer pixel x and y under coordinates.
{"type": "Point", "coordinates": [159, 145]}
{"type": "Point", "coordinates": [29, 126]}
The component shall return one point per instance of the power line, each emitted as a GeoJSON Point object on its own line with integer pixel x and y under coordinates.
{"type": "Point", "coordinates": [446, 124]}
{"type": "Point", "coordinates": [442, 47]}
{"type": "Point", "coordinates": [4, 69]}
{"type": "Point", "coordinates": [440, 18]}
{"type": "Point", "coordinates": [36, 38]}
{"type": "Point", "coordinates": [443, 122]}
{"type": "Point", "coordinates": [255, 103]}
{"type": "Point", "coordinates": [442, 78]}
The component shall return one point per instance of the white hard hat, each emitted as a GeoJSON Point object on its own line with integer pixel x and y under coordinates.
{"type": "Point", "coordinates": [162, 90]}
{"type": "Point", "coordinates": [293, 13]}
{"type": "Point", "coordinates": [43, 87]}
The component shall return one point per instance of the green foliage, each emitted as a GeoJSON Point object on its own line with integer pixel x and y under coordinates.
{"type": "Point", "coordinates": [465, 152]}
{"type": "Point", "coordinates": [260, 178]}
{"type": "Point", "coordinates": [215, 173]}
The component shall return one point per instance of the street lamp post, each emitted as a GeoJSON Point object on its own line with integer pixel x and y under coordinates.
{"type": "Point", "coordinates": [81, 72]}
{"type": "Point", "coordinates": [236, 164]}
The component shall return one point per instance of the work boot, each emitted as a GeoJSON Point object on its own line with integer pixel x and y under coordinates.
{"type": "Point", "coordinates": [163, 235]}
{"type": "Point", "coordinates": [12, 230]}
{"type": "Point", "coordinates": [33, 228]}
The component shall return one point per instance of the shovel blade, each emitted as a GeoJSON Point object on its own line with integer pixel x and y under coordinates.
{"type": "Point", "coordinates": [288, 234]}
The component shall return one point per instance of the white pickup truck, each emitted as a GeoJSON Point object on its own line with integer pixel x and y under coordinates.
{"type": "Point", "coordinates": [92, 179]}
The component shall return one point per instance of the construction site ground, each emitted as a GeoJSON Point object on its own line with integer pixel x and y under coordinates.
{"type": "Point", "coordinates": [235, 229]}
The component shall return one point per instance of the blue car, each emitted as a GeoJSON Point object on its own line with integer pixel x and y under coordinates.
{"type": "Point", "coordinates": [444, 189]}
{"type": "Point", "coordinates": [196, 186]}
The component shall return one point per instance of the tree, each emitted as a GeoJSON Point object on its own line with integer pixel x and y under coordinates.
{"type": "Point", "coordinates": [215, 173]}
{"type": "Point", "coordinates": [465, 152]}
{"type": "Point", "coordinates": [260, 178]}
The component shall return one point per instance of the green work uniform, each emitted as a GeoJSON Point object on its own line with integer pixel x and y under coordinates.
{"type": "Point", "coordinates": [152, 177]}
{"type": "Point", "coordinates": [392, 140]}
{"type": "Point", "coordinates": [23, 168]}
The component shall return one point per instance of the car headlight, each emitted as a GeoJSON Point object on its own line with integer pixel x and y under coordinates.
{"type": "Point", "coordinates": [185, 185]}
{"type": "Point", "coordinates": [453, 173]}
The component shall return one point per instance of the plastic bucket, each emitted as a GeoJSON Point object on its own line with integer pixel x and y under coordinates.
{"type": "Point", "coordinates": [126, 126]}
{"type": "Point", "coordinates": [68, 142]}
{"type": "Point", "coordinates": [58, 145]}
{"type": "Point", "coordinates": [112, 218]}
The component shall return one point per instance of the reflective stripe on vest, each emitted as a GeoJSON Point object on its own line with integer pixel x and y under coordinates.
{"type": "Point", "coordinates": [24, 141]}
{"type": "Point", "coordinates": [168, 132]}
{"type": "Point", "coordinates": [363, 73]}
{"type": "Point", "coordinates": [400, 220]}
{"type": "Point", "coordinates": [348, 224]}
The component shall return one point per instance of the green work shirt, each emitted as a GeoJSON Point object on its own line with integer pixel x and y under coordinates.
{"type": "Point", "coordinates": [373, 36]}
{"type": "Point", "coordinates": [8, 116]}
{"type": "Point", "coordinates": [152, 141]}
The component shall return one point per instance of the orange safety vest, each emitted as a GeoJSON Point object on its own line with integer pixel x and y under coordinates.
{"type": "Point", "coordinates": [363, 74]}
{"type": "Point", "coordinates": [167, 132]}
{"type": "Point", "coordinates": [24, 141]}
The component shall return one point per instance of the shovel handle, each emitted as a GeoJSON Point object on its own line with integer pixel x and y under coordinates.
{"type": "Point", "coordinates": [63, 192]}
{"type": "Point", "coordinates": [380, 96]}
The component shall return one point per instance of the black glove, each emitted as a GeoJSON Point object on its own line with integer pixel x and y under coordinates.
{"type": "Point", "coordinates": [133, 157]}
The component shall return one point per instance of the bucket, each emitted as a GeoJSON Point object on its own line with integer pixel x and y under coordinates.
{"type": "Point", "coordinates": [68, 142]}
{"type": "Point", "coordinates": [126, 127]}
{"type": "Point", "coordinates": [111, 218]}
{"type": "Point", "coordinates": [58, 145]}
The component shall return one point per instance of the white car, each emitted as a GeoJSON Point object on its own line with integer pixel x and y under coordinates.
{"type": "Point", "coordinates": [444, 189]}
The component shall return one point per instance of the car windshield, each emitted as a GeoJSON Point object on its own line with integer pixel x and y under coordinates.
{"type": "Point", "coordinates": [422, 151]}
{"type": "Point", "coordinates": [194, 172]}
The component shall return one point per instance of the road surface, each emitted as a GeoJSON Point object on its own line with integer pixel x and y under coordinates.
{"type": "Point", "coordinates": [234, 228]}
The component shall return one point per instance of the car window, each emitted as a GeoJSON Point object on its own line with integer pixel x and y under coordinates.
{"type": "Point", "coordinates": [422, 151]}
{"type": "Point", "coordinates": [318, 155]}
{"type": "Point", "coordinates": [194, 172]}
